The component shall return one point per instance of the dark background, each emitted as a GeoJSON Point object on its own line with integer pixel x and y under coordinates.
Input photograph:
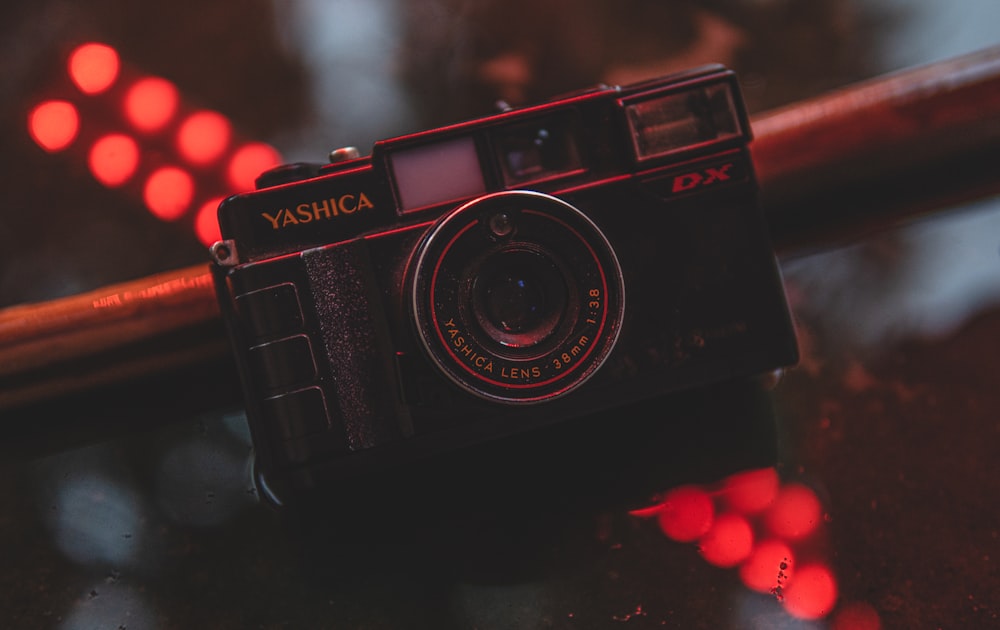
{"type": "Point", "coordinates": [891, 417]}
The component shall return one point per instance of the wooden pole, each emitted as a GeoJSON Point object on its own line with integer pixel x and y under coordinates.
{"type": "Point", "coordinates": [837, 167]}
{"type": "Point", "coordinates": [832, 168]}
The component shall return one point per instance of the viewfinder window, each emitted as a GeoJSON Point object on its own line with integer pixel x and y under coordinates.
{"type": "Point", "coordinates": [683, 120]}
{"type": "Point", "coordinates": [436, 173]}
{"type": "Point", "coordinates": [538, 150]}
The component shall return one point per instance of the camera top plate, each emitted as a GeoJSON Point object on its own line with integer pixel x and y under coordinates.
{"type": "Point", "coordinates": [564, 144]}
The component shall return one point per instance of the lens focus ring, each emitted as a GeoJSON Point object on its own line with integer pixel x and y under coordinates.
{"type": "Point", "coordinates": [517, 297]}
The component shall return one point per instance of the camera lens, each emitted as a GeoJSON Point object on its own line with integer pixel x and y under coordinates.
{"type": "Point", "coordinates": [517, 297]}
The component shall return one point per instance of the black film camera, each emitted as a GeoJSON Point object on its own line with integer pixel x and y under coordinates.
{"type": "Point", "coordinates": [497, 276]}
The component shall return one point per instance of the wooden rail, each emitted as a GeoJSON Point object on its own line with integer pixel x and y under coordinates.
{"type": "Point", "coordinates": [831, 168]}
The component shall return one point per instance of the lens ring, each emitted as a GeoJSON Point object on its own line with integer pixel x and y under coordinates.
{"type": "Point", "coordinates": [520, 317]}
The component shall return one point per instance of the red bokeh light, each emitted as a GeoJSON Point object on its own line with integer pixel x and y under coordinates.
{"type": "Point", "coordinates": [726, 519]}
{"type": "Point", "coordinates": [768, 567]}
{"type": "Point", "coordinates": [203, 137]}
{"type": "Point", "coordinates": [93, 67]}
{"type": "Point", "coordinates": [687, 514]}
{"type": "Point", "coordinates": [113, 159]}
{"type": "Point", "coordinates": [249, 161]}
{"type": "Point", "coordinates": [205, 144]}
{"type": "Point", "coordinates": [811, 593]}
{"type": "Point", "coordinates": [751, 491]}
{"type": "Point", "coordinates": [168, 193]}
{"type": "Point", "coordinates": [795, 513]}
{"type": "Point", "coordinates": [53, 125]}
{"type": "Point", "coordinates": [728, 542]}
{"type": "Point", "coordinates": [150, 103]}
{"type": "Point", "coordinates": [206, 222]}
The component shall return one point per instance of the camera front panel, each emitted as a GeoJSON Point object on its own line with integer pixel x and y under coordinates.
{"type": "Point", "coordinates": [704, 304]}
{"type": "Point", "coordinates": [364, 338]}
{"type": "Point", "coordinates": [310, 339]}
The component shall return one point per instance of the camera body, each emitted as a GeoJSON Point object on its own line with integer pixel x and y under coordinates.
{"type": "Point", "coordinates": [497, 276]}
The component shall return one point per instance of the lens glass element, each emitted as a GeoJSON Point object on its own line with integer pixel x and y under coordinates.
{"type": "Point", "coordinates": [519, 297]}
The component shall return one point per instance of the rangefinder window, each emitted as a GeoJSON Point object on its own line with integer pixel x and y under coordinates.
{"type": "Point", "coordinates": [432, 174]}
{"type": "Point", "coordinates": [538, 150]}
{"type": "Point", "coordinates": [682, 120]}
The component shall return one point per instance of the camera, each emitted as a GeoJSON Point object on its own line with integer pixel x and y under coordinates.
{"type": "Point", "coordinates": [499, 276]}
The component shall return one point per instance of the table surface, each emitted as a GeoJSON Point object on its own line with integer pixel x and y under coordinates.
{"type": "Point", "coordinates": [881, 446]}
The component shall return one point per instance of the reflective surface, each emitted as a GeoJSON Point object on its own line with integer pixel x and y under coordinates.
{"type": "Point", "coordinates": [880, 507]}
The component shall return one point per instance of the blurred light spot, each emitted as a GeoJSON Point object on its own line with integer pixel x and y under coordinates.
{"type": "Point", "coordinates": [150, 103]}
{"type": "Point", "coordinates": [113, 159]}
{"type": "Point", "coordinates": [109, 606]}
{"type": "Point", "coordinates": [768, 567]}
{"type": "Point", "coordinates": [751, 491]}
{"type": "Point", "coordinates": [349, 48]}
{"type": "Point", "coordinates": [728, 542]}
{"type": "Point", "coordinates": [53, 125]}
{"type": "Point", "coordinates": [687, 513]}
{"type": "Point", "coordinates": [795, 512]}
{"type": "Point", "coordinates": [96, 520]}
{"type": "Point", "coordinates": [203, 137]}
{"type": "Point", "coordinates": [93, 67]}
{"type": "Point", "coordinates": [856, 616]}
{"type": "Point", "coordinates": [812, 593]}
{"type": "Point", "coordinates": [251, 160]}
{"type": "Point", "coordinates": [752, 611]}
{"type": "Point", "coordinates": [199, 483]}
{"type": "Point", "coordinates": [206, 222]}
{"type": "Point", "coordinates": [236, 425]}
{"type": "Point", "coordinates": [168, 193]}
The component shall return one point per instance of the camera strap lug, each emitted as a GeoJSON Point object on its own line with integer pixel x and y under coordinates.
{"type": "Point", "coordinates": [224, 253]}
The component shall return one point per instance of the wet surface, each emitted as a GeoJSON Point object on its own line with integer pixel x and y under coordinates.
{"type": "Point", "coordinates": [885, 475]}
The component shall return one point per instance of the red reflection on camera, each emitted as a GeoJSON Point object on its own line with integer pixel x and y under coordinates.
{"type": "Point", "coordinates": [728, 542]}
{"type": "Point", "coordinates": [751, 491]}
{"type": "Point", "coordinates": [53, 125]}
{"type": "Point", "coordinates": [248, 162]}
{"type": "Point", "coordinates": [686, 514]}
{"type": "Point", "coordinates": [811, 593]}
{"type": "Point", "coordinates": [150, 103]}
{"type": "Point", "coordinates": [768, 567]}
{"type": "Point", "coordinates": [795, 513]}
{"type": "Point", "coordinates": [168, 193]}
{"type": "Point", "coordinates": [203, 137]}
{"type": "Point", "coordinates": [93, 67]}
{"type": "Point", "coordinates": [114, 159]}
{"type": "Point", "coordinates": [206, 222]}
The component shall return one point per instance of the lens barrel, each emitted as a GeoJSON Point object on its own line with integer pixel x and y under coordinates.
{"type": "Point", "coordinates": [517, 297]}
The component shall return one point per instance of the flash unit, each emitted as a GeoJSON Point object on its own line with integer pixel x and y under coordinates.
{"type": "Point", "coordinates": [677, 121]}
